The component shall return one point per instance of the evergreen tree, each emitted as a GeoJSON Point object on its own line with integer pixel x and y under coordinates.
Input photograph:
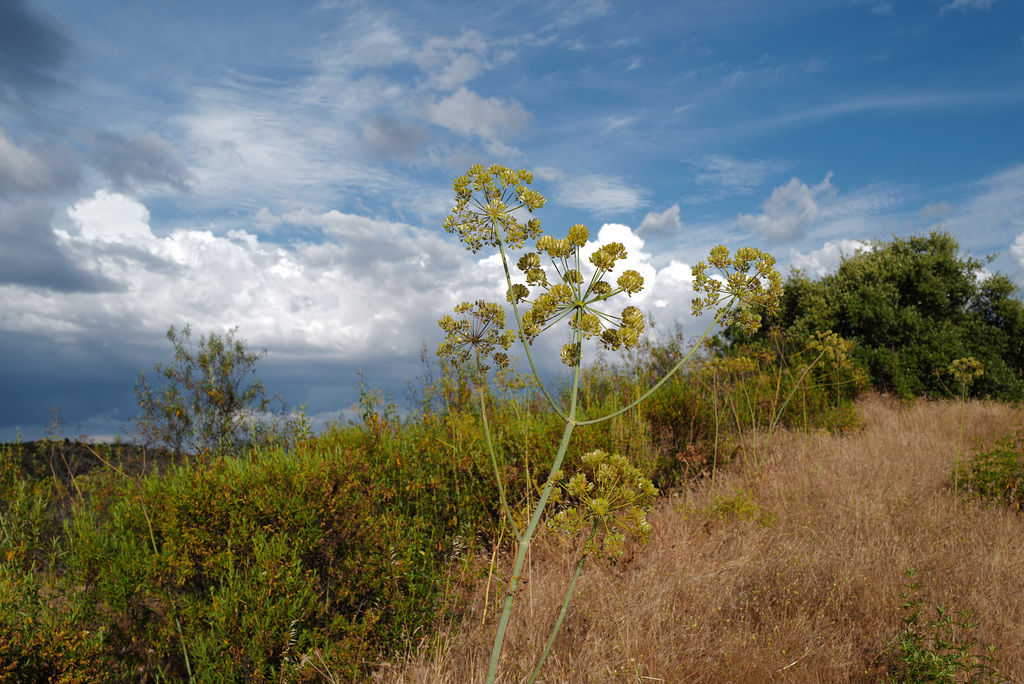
{"type": "Point", "coordinates": [913, 306]}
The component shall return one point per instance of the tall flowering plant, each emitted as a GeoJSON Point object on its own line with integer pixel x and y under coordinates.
{"type": "Point", "coordinates": [608, 499]}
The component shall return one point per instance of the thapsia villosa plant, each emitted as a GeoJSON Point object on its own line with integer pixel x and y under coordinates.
{"type": "Point", "coordinates": [965, 371]}
{"type": "Point", "coordinates": [611, 500]}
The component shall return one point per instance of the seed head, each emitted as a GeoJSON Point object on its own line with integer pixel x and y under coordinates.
{"type": "Point", "coordinates": [485, 204]}
{"type": "Point", "coordinates": [478, 336]}
{"type": "Point", "coordinates": [630, 282]}
{"type": "Point", "coordinates": [609, 496]}
{"type": "Point", "coordinates": [578, 235]}
{"type": "Point", "coordinates": [737, 291]}
{"type": "Point", "coordinates": [604, 257]}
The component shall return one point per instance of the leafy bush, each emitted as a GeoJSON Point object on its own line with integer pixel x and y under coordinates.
{"type": "Point", "coordinates": [911, 306]}
{"type": "Point", "coordinates": [208, 403]}
{"type": "Point", "coordinates": [740, 505]}
{"type": "Point", "coordinates": [232, 569]}
{"type": "Point", "coordinates": [996, 473]}
{"type": "Point", "coordinates": [939, 649]}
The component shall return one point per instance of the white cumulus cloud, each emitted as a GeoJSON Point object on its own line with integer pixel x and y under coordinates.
{"type": "Point", "coordinates": [1017, 250]}
{"type": "Point", "coordinates": [110, 216]}
{"type": "Point", "coordinates": [819, 262]}
{"type": "Point", "coordinates": [369, 287]}
{"type": "Point", "coordinates": [790, 209]}
{"type": "Point", "coordinates": [467, 113]}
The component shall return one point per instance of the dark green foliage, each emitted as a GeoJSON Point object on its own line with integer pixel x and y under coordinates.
{"type": "Point", "coordinates": [912, 306]}
{"type": "Point", "coordinates": [996, 473]}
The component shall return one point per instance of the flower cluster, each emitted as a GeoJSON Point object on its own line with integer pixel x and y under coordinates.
{"type": "Point", "coordinates": [738, 291]}
{"type": "Point", "coordinates": [485, 204]}
{"type": "Point", "coordinates": [479, 336]}
{"type": "Point", "coordinates": [614, 499]}
{"type": "Point", "coordinates": [966, 370]}
{"type": "Point", "coordinates": [730, 366]}
{"type": "Point", "coordinates": [834, 350]}
{"type": "Point", "coordinates": [574, 296]}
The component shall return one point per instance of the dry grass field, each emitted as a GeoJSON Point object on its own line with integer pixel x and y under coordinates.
{"type": "Point", "coordinates": [794, 577]}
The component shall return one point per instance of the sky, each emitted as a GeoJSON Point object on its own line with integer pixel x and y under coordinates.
{"type": "Point", "coordinates": [285, 168]}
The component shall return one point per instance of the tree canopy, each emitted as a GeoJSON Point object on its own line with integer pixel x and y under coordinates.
{"type": "Point", "coordinates": [210, 399]}
{"type": "Point", "coordinates": [913, 306]}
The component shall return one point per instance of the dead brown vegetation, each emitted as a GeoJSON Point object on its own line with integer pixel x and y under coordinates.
{"type": "Point", "coordinates": [801, 583]}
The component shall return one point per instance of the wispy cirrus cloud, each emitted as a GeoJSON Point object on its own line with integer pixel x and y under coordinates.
{"type": "Point", "coordinates": [334, 127]}
{"type": "Point", "coordinates": [726, 176]}
{"type": "Point", "coordinates": [600, 194]}
{"type": "Point", "coordinates": [996, 203]}
{"type": "Point", "coordinates": [965, 5]}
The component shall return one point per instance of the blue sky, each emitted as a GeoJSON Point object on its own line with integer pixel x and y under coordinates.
{"type": "Point", "coordinates": [285, 167]}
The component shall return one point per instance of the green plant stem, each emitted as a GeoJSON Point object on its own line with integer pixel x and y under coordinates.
{"type": "Point", "coordinates": [524, 544]}
{"type": "Point", "coordinates": [565, 607]}
{"type": "Point", "coordinates": [494, 464]}
{"type": "Point", "coordinates": [665, 379]}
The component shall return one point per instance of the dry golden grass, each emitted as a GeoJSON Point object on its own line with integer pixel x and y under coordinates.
{"type": "Point", "coordinates": [810, 597]}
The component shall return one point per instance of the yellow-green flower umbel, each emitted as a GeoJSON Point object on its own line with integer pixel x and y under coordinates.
{"type": "Point", "coordinates": [479, 335]}
{"type": "Point", "coordinates": [485, 204]}
{"type": "Point", "coordinates": [738, 291]}
{"type": "Point", "coordinates": [574, 297]}
{"type": "Point", "coordinates": [485, 215]}
{"type": "Point", "coordinates": [611, 497]}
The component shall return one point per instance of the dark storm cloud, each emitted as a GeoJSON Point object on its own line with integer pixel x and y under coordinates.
{"type": "Point", "coordinates": [145, 159]}
{"type": "Point", "coordinates": [34, 168]}
{"type": "Point", "coordinates": [33, 50]}
{"type": "Point", "coordinates": [83, 380]}
{"type": "Point", "coordinates": [30, 254]}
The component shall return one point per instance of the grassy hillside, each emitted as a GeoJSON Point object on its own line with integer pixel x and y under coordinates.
{"type": "Point", "coordinates": [375, 550]}
{"type": "Point", "coordinates": [794, 578]}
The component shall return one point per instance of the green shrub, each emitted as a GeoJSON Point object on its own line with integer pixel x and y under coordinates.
{"type": "Point", "coordinates": [938, 649]}
{"type": "Point", "coordinates": [739, 505]}
{"type": "Point", "coordinates": [259, 560]}
{"type": "Point", "coordinates": [996, 473]}
{"type": "Point", "coordinates": [38, 643]}
{"type": "Point", "coordinates": [911, 306]}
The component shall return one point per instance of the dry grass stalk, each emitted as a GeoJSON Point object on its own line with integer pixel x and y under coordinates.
{"type": "Point", "coordinates": [811, 597]}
